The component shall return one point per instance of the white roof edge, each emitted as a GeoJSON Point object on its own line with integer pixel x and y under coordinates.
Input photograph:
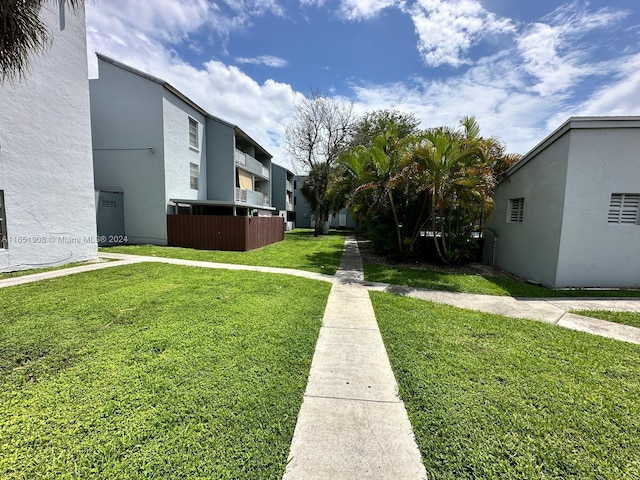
{"type": "Point", "coordinates": [576, 123]}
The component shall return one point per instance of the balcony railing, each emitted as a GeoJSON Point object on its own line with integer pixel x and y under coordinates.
{"type": "Point", "coordinates": [251, 197]}
{"type": "Point", "coordinates": [250, 164]}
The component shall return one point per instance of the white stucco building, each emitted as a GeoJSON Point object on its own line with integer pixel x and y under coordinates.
{"type": "Point", "coordinates": [47, 212]}
{"type": "Point", "coordinates": [158, 153]}
{"type": "Point", "coordinates": [568, 214]}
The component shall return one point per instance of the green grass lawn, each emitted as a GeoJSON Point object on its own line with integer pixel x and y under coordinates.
{"type": "Point", "coordinates": [299, 250]}
{"type": "Point", "coordinates": [485, 285]}
{"type": "Point", "coordinates": [21, 273]}
{"type": "Point", "coordinates": [154, 371]}
{"type": "Point", "coordinates": [493, 397]}
{"type": "Point", "coordinates": [626, 318]}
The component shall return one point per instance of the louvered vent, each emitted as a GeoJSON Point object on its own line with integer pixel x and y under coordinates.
{"type": "Point", "coordinates": [624, 208]}
{"type": "Point", "coordinates": [516, 210]}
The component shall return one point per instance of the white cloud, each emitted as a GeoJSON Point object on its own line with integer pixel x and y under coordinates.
{"type": "Point", "coordinates": [448, 28]}
{"type": "Point", "coordinates": [519, 94]}
{"type": "Point", "coordinates": [618, 97]}
{"type": "Point", "coordinates": [552, 50]}
{"type": "Point", "coordinates": [364, 9]}
{"type": "Point", "coordinates": [266, 60]}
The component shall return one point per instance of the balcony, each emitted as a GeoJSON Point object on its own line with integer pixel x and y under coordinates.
{"type": "Point", "coordinates": [289, 186]}
{"type": "Point", "coordinates": [251, 197]}
{"type": "Point", "coordinates": [250, 164]}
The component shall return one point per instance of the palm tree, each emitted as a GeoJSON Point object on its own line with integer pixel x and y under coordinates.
{"type": "Point", "coordinates": [377, 169]}
{"type": "Point", "coordinates": [22, 34]}
{"type": "Point", "coordinates": [453, 168]}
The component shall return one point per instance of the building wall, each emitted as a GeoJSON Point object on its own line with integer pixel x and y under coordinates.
{"type": "Point", "coordinates": [593, 252]}
{"type": "Point", "coordinates": [178, 154]}
{"type": "Point", "coordinates": [221, 176]}
{"type": "Point", "coordinates": [278, 187]}
{"type": "Point", "coordinates": [301, 206]}
{"type": "Point", "coordinates": [45, 152]}
{"type": "Point", "coordinates": [530, 249]}
{"type": "Point", "coordinates": [126, 119]}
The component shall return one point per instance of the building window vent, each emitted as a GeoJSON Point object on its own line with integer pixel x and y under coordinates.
{"type": "Point", "coordinates": [516, 210]}
{"type": "Point", "coordinates": [624, 208]}
{"type": "Point", "coordinates": [193, 133]}
{"type": "Point", "coordinates": [4, 241]}
{"type": "Point", "coordinates": [193, 176]}
{"type": "Point", "coordinates": [109, 204]}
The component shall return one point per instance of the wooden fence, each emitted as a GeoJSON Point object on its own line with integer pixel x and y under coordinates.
{"type": "Point", "coordinates": [213, 232]}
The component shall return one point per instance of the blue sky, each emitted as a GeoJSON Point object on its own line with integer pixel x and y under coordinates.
{"type": "Point", "coordinates": [522, 68]}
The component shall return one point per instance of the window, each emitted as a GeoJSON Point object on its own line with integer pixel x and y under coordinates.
{"type": "Point", "coordinates": [193, 133]}
{"type": "Point", "coordinates": [624, 208]}
{"type": "Point", "coordinates": [4, 241]}
{"type": "Point", "coordinates": [193, 175]}
{"type": "Point", "coordinates": [516, 210]}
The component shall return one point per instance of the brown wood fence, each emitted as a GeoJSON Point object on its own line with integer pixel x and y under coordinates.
{"type": "Point", "coordinates": [213, 232]}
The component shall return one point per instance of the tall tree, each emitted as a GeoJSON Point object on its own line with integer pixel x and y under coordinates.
{"type": "Point", "coordinates": [382, 199]}
{"type": "Point", "coordinates": [318, 133]}
{"type": "Point", "coordinates": [23, 34]}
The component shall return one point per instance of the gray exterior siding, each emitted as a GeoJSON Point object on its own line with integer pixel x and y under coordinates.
{"type": "Point", "coordinates": [126, 119]}
{"type": "Point", "coordinates": [221, 172]}
{"type": "Point", "coordinates": [564, 239]}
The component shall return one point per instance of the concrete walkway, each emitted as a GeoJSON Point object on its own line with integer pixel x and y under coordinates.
{"type": "Point", "coordinates": [352, 425]}
{"type": "Point", "coordinates": [549, 310]}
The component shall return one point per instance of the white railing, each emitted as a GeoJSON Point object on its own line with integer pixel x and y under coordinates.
{"type": "Point", "coordinates": [241, 195]}
{"type": "Point", "coordinates": [240, 158]}
{"type": "Point", "coordinates": [252, 197]}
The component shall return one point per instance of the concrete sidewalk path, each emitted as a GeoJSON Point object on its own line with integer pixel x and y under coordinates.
{"type": "Point", "coordinates": [119, 259]}
{"type": "Point", "coordinates": [352, 425]}
{"type": "Point", "coordinates": [549, 310]}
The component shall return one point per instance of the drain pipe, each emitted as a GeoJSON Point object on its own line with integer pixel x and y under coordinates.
{"type": "Point", "coordinates": [493, 258]}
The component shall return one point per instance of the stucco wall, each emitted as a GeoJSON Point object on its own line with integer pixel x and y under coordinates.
{"type": "Point", "coordinates": [177, 152]}
{"type": "Point", "coordinates": [302, 207]}
{"type": "Point", "coordinates": [126, 111]}
{"type": "Point", "coordinates": [45, 153]}
{"type": "Point", "coordinates": [530, 249]}
{"type": "Point", "coordinates": [221, 180]}
{"type": "Point", "coordinates": [279, 187]}
{"type": "Point", "coordinates": [594, 253]}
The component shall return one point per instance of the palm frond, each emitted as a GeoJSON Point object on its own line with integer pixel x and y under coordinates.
{"type": "Point", "coordinates": [23, 34]}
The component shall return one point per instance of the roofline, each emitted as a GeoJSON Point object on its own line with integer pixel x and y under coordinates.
{"type": "Point", "coordinates": [575, 123]}
{"type": "Point", "coordinates": [284, 168]}
{"type": "Point", "coordinates": [180, 95]}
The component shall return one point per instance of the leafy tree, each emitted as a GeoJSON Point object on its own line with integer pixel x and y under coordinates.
{"type": "Point", "coordinates": [22, 34]}
{"type": "Point", "coordinates": [439, 180]}
{"type": "Point", "coordinates": [319, 132]}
